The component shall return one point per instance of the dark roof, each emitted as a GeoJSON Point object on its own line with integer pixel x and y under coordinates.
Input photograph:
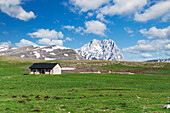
{"type": "Point", "coordinates": [43, 66]}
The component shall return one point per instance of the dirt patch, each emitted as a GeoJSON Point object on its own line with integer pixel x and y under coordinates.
{"type": "Point", "coordinates": [86, 70]}
{"type": "Point", "coordinates": [107, 89]}
{"type": "Point", "coordinates": [89, 70]}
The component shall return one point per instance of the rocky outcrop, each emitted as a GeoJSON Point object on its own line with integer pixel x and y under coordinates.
{"type": "Point", "coordinates": [101, 50]}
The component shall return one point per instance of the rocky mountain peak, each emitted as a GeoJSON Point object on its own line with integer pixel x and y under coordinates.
{"type": "Point", "coordinates": [94, 42]}
{"type": "Point", "coordinates": [101, 50]}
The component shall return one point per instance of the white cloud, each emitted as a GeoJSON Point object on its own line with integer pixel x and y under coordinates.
{"type": "Point", "coordinates": [2, 23]}
{"type": "Point", "coordinates": [166, 52]}
{"type": "Point", "coordinates": [5, 32]}
{"type": "Point", "coordinates": [90, 14]}
{"type": "Point", "coordinates": [68, 39]}
{"type": "Point", "coordinates": [142, 42]}
{"type": "Point", "coordinates": [123, 7]}
{"type": "Point", "coordinates": [146, 55]}
{"type": "Point", "coordinates": [85, 5]}
{"type": "Point", "coordinates": [60, 34]}
{"type": "Point", "coordinates": [13, 9]}
{"type": "Point", "coordinates": [156, 33]}
{"type": "Point", "coordinates": [166, 17]}
{"type": "Point", "coordinates": [47, 42]}
{"type": "Point", "coordinates": [24, 43]}
{"type": "Point", "coordinates": [142, 10]}
{"type": "Point", "coordinates": [128, 30]}
{"type": "Point", "coordinates": [69, 27]}
{"type": "Point", "coordinates": [95, 27]}
{"type": "Point", "coordinates": [5, 44]}
{"type": "Point", "coordinates": [46, 33]}
{"type": "Point", "coordinates": [79, 29]}
{"type": "Point", "coordinates": [56, 42]}
{"type": "Point", "coordinates": [101, 17]}
{"type": "Point", "coordinates": [147, 46]}
{"type": "Point", "coordinates": [44, 41]}
{"type": "Point", "coordinates": [160, 9]}
{"type": "Point", "coordinates": [48, 37]}
{"type": "Point", "coordinates": [167, 47]}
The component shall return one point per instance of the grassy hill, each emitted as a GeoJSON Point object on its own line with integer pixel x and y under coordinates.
{"type": "Point", "coordinates": [75, 92]}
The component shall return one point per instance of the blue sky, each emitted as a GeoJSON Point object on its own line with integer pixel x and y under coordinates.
{"type": "Point", "coordinates": [141, 28]}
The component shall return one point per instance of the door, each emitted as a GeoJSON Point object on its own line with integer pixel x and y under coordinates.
{"type": "Point", "coordinates": [43, 71]}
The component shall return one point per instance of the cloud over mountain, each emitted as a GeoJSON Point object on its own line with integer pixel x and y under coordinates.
{"type": "Point", "coordinates": [48, 37]}
{"type": "Point", "coordinates": [95, 27]}
{"type": "Point", "coordinates": [24, 43]}
{"type": "Point", "coordinates": [46, 33]}
{"type": "Point", "coordinates": [147, 46]}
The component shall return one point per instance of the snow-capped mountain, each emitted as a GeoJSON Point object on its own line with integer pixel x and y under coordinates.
{"type": "Point", "coordinates": [97, 50]}
{"type": "Point", "coordinates": [159, 60]}
{"type": "Point", "coordinates": [41, 52]}
{"type": "Point", "coordinates": [101, 50]}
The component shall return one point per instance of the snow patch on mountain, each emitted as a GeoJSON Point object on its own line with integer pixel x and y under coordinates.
{"type": "Point", "coordinates": [52, 54]}
{"type": "Point", "coordinates": [22, 56]}
{"type": "Point", "coordinates": [37, 54]}
{"type": "Point", "coordinates": [65, 54]}
{"type": "Point", "coordinates": [101, 50]}
{"type": "Point", "coordinates": [49, 58]}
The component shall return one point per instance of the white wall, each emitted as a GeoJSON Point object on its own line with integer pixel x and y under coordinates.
{"type": "Point", "coordinates": [57, 69]}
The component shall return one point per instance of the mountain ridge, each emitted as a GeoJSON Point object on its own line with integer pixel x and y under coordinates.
{"type": "Point", "coordinates": [159, 60]}
{"type": "Point", "coordinates": [94, 50]}
{"type": "Point", "coordinates": [52, 52]}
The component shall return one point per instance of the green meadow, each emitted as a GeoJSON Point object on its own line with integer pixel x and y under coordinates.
{"type": "Point", "coordinates": [148, 90]}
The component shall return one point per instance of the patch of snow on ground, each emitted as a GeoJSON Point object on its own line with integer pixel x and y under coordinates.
{"type": "Point", "coordinates": [98, 48]}
{"type": "Point", "coordinates": [167, 106]}
{"type": "Point", "coordinates": [13, 48]}
{"type": "Point", "coordinates": [60, 47]}
{"type": "Point", "coordinates": [3, 48]}
{"type": "Point", "coordinates": [48, 49]}
{"type": "Point", "coordinates": [37, 54]}
{"type": "Point", "coordinates": [41, 46]}
{"type": "Point", "coordinates": [49, 58]}
{"type": "Point", "coordinates": [22, 55]}
{"type": "Point", "coordinates": [52, 54]}
{"type": "Point", "coordinates": [65, 54]}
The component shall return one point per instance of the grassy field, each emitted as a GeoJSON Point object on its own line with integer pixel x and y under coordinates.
{"type": "Point", "coordinates": [84, 92]}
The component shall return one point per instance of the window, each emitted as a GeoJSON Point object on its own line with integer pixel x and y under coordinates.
{"type": "Point", "coordinates": [48, 70]}
{"type": "Point", "coordinates": [33, 70]}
